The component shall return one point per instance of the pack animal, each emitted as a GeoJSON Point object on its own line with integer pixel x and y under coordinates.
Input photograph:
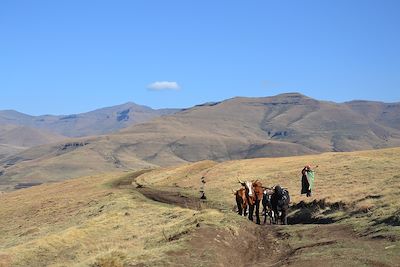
{"type": "Point", "coordinates": [241, 201]}
{"type": "Point", "coordinates": [280, 200]}
{"type": "Point", "coordinates": [267, 207]}
{"type": "Point", "coordinates": [254, 195]}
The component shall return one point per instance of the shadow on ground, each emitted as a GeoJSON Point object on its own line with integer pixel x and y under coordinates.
{"type": "Point", "coordinates": [315, 212]}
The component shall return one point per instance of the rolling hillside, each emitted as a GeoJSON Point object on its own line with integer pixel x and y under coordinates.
{"type": "Point", "coordinates": [105, 220]}
{"type": "Point", "coordinates": [14, 139]}
{"type": "Point", "coordinates": [7, 150]}
{"type": "Point", "coordinates": [100, 121]}
{"type": "Point", "coordinates": [238, 128]}
{"type": "Point", "coordinates": [22, 136]}
{"type": "Point", "coordinates": [19, 131]}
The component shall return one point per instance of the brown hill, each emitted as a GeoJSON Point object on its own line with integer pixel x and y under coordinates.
{"type": "Point", "coordinates": [22, 136]}
{"type": "Point", "coordinates": [19, 131]}
{"type": "Point", "coordinates": [7, 150]}
{"type": "Point", "coordinates": [100, 121]}
{"type": "Point", "coordinates": [15, 138]}
{"type": "Point", "coordinates": [238, 128]}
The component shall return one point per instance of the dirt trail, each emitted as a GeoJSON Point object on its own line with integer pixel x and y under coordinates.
{"type": "Point", "coordinates": [254, 245]}
{"type": "Point", "coordinates": [221, 247]}
{"type": "Point", "coordinates": [169, 197]}
{"type": "Point", "coordinates": [217, 247]}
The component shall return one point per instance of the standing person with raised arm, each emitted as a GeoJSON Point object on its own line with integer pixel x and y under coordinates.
{"type": "Point", "coordinates": [307, 180]}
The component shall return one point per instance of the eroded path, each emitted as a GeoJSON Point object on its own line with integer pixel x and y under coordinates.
{"type": "Point", "coordinates": [211, 246]}
{"type": "Point", "coordinates": [170, 197]}
{"type": "Point", "coordinates": [330, 244]}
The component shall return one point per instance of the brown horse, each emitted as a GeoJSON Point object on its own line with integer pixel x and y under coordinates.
{"type": "Point", "coordinates": [254, 194]}
{"type": "Point", "coordinates": [241, 201]}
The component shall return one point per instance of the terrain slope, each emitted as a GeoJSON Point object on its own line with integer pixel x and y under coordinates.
{"type": "Point", "coordinates": [20, 131]}
{"type": "Point", "coordinates": [155, 217]}
{"type": "Point", "coordinates": [239, 128]}
{"type": "Point", "coordinates": [14, 138]}
{"type": "Point", "coordinates": [100, 121]}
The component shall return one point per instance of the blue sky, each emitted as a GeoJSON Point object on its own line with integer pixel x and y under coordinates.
{"type": "Point", "coordinates": [62, 57]}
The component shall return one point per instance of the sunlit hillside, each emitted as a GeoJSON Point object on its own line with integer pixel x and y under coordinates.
{"type": "Point", "coordinates": [365, 179]}
{"type": "Point", "coordinates": [155, 217]}
{"type": "Point", "coordinates": [238, 128]}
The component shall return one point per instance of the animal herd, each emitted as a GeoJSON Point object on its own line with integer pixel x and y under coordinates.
{"type": "Point", "coordinates": [275, 202]}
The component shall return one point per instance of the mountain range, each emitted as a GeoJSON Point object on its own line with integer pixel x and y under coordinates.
{"type": "Point", "coordinates": [19, 131]}
{"type": "Point", "coordinates": [238, 128]}
{"type": "Point", "coordinates": [97, 122]}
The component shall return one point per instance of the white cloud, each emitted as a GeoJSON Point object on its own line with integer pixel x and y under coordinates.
{"type": "Point", "coordinates": [164, 85]}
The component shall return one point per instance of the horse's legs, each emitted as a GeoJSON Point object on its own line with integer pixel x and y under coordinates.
{"type": "Point", "coordinates": [276, 216]}
{"type": "Point", "coordinates": [284, 217]}
{"type": "Point", "coordinates": [258, 211]}
{"type": "Point", "coordinates": [251, 211]}
{"type": "Point", "coordinates": [265, 215]}
{"type": "Point", "coordinates": [265, 212]}
{"type": "Point", "coordinates": [239, 203]}
{"type": "Point", "coordinates": [245, 209]}
{"type": "Point", "coordinates": [271, 216]}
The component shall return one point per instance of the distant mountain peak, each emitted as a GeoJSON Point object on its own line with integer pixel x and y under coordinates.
{"type": "Point", "coordinates": [96, 122]}
{"type": "Point", "coordinates": [291, 94]}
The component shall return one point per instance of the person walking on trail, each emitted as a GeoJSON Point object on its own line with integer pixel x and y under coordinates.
{"type": "Point", "coordinates": [307, 180]}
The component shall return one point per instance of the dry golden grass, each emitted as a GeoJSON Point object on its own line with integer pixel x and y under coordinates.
{"type": "Point", "coordinates": [85, 222]}
{"type": "Point", "coordinates": [367, 181]}
{"type": "Point", "coordinates": [347, 177]}
{"type": "Point", "coordinates": [90, 222]}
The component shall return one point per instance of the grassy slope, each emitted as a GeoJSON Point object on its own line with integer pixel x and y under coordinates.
{"type": "Point", "coordinates": [237, 128]}
{"type": "Point", "coordinates": [15, 139]}
{"type": "Point", "coordinates": [366, 179]}
{"type": "Point", "coordinates": [366, 182]}
{"type": "Point", "coordinates": [88, 220]}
